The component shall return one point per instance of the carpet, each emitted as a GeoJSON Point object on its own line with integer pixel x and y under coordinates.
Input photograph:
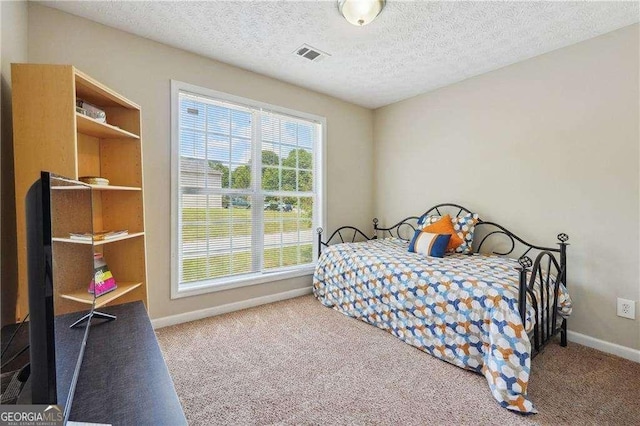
{"type": "Point", "coordinates": [298, 362]}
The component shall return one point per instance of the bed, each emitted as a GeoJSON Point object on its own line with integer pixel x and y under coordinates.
{"type": "Point", "coordinates": [490, 310]}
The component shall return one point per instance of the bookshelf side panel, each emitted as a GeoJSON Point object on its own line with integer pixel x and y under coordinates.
{"type": "Point", "coordinates": [44, 138]}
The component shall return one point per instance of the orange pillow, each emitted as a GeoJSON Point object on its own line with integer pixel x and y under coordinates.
{"type": "Point", "coordinates": [445, 226]}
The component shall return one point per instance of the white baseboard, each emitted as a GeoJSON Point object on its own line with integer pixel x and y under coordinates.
{"type": "Point", "coordinates": [230, 307]}
{"type": "Point", "coordinates": [604, 346]}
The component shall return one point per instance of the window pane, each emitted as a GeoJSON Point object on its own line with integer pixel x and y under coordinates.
{"type": "Point", "coordinates": [272, 257]}
{"type": "Point", "coordinates": [192, 143]}
{"type": "Point", "coordinates": [218, 119]}
{"type": "Point", "coordinates": [306, 230]}
{"type": "Point", "coordinates": [241, 124]}
{"type": "Point", "coordinates": [241, 151]}
{"type": "Point", "coordinates": [218, 168]}
{"type": "Point", "coordinates": [288, 180]}
{"type": "Point", "coordinates": [305, 159]}
{"type": "Point", "coordinates": [270, 155]}
{"type": "Point", "coordinates": [270, 178]}
{"type": "Point", "coordinates": [218, 148]}
{"type": "Point", "coordinates": [305, 181]}
{"type": "Point", "coordinates": [270, 129]}
{"type": "Point", "coordinates": [288, 154]}
{"type": "Point", "coordinates": [288, 132]}
{"type": "Point", "coordinates": [241, 262]}
{"type": "Point", "coordinates": [306, 208]}
{"type": "Point", "coordinates": [192, 114]}
{"type": "Point", "coordinates": [241, 176]}
{"type": "Point", "coordinates": [306, 135]}
{"type": "Point", "coordinates": [306, 253]}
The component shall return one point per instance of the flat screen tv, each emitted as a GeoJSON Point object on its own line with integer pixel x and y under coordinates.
{"type": "Point", "coordinates": [56, 206]}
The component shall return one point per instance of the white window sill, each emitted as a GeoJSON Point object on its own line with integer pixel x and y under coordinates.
{"type": "Point", "coordinates": [202, 287]}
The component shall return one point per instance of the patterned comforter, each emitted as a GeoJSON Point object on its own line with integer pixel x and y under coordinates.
{"type": "Point", "coordinates": [462, 309]}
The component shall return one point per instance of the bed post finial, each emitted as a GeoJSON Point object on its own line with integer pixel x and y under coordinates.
{"type": "Point", "coordinates": [375, 228]}
{"type": "Point", "coordinates": [525, 262]}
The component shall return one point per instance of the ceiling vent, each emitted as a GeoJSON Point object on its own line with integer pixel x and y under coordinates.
{"type": "Point", "coordinates": [310, 53]}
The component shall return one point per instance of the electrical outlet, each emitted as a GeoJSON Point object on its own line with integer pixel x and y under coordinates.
{"type": "Point", "coordinates": [626, 308]}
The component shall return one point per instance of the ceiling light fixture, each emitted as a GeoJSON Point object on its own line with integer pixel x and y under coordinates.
{"type": "Point", "coordinates": [360, 12]}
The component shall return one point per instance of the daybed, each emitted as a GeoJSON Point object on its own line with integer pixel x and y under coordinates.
{"type": "Point", "coordinates": [489, 313]}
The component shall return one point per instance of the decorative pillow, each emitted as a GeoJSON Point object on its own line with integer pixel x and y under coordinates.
{"type": "Point", "coordinates": [444, 225]}
{"type": "Point", "coordinates": [428, 244]}
{"type": "Point", "coordinates": [464, 227]}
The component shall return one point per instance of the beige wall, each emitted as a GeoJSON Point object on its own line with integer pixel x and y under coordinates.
{"type": "Point", "coordinates": [13, 48]}
{"type": "Point", "coordinates": [543, 146]}
{"type": "Point", "coordinates": [141, 70]}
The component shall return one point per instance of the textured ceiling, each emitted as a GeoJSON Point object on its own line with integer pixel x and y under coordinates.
{"type": "Point", "coordinates": [411, 48]}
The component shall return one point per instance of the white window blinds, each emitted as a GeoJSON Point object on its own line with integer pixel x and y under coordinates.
{"type": "Point", "coordinates": [247, 190]}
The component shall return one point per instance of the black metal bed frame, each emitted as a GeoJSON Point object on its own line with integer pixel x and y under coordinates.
{"type": "Point", "coordinates": [549, 261]}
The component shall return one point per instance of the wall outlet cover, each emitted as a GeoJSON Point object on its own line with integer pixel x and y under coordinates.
{"type": "Point", "coordinates": [626, 308]}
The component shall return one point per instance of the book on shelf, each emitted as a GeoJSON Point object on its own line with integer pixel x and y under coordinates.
{"type": "Point", "coordinates": [98, 236]}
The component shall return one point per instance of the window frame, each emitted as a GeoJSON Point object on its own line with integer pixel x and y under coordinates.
{"type": "Point", "coordinates": [320, 206]}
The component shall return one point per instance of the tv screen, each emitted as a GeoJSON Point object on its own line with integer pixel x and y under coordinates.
{"type": "Point", "coordinates": [56, 207]}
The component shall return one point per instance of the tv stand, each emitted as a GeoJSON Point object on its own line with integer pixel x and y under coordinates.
{"type": "Point", "coordinates": [91, 315]}
{"type": "Point", "coordinates": [123, 379]}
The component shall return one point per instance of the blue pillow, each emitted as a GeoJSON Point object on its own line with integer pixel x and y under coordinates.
{"type": "Point", "coordinates": [428, 244]}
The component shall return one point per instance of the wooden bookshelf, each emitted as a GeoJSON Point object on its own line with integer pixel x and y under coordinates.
{"type": "Point", "coordinates": [50, 135]}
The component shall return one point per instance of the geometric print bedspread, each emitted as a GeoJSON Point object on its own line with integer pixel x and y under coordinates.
{"type": "Point", "coordinates": [460, 308]}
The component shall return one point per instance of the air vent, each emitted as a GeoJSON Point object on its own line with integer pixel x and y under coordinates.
{"type": "Point", "coordinates": [310, 53]}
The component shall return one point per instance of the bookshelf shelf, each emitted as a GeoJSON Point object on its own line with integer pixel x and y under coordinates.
{"type": "Point", "coordinates": [83, 296]}
{"type": "Point", "coordinates": [98, 188]}
{"type": "Point", "coordinates": [100, 242]}
{"type": "Point", "coordinates": [90, 127]}
{"type": "Point", "coordinates": [115, 188]}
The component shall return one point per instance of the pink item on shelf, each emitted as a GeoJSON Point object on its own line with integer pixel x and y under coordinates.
{"type": "Point", "coordinates": [103, 281]}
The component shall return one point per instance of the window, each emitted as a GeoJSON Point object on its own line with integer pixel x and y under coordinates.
{"type": "Point", "coordinates": [246, 191]}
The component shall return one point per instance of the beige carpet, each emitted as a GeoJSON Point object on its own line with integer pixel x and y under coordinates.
{"type": "Point", "coordinates": [298, 362]}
